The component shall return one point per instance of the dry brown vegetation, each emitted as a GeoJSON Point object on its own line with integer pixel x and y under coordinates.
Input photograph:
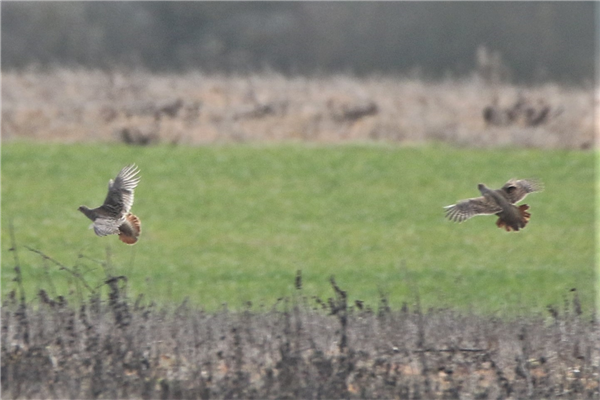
{"type": "Point", "coordinates": [299, 348]}
{"type": "Point", "coordinates": [195, 108]}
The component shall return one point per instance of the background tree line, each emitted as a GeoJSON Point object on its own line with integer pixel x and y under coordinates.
{"type": "Point", "coordinates": [537, 41]}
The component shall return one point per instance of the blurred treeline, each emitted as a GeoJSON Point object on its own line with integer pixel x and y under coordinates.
{"type": "Point", "coordinates": [534, 41]}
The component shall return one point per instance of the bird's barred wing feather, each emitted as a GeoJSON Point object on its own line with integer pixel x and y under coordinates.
{"type": "Point", "coordinates": [468, 208]}
{"type": "Point", "coordinates": [119, 199]}
{"type": "Point", "coordinates": [517, 189]}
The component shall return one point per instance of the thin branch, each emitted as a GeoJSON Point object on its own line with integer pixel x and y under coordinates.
{"type": "Point", "coordinates": [21, 313]}
{"type": "Point", "coordinates": [13, 248]}
{"type": "Point", "coordinates": [99, 262]}
{"type": "Point", "coordinates": [76, 274]}
{"type": "Point", "coordinates": [431, 350]}
{"type": "Point", "coordinates": [108, 267]}
{"type": "Point", "coordinates": [49, 278]}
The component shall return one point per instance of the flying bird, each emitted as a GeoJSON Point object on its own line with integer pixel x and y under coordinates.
{"type": "Point", "coordinates": [113, 217]}
{"type": "Point", "coordinates": [500, 202]}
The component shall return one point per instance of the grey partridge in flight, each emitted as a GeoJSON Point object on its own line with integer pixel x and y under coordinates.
{"type": "Point", "coordinates": [500, 202]}
{"type": "Point", "coordinates": [113, 217]}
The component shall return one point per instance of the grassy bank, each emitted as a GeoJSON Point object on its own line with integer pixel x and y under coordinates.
{"type": "Point", "coordinates": [233, 223]}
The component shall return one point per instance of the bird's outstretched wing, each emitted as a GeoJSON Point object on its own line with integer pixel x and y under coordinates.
{"type": "Point", "coordinates": [468, 208]}
{"type": "Point", "coordinates": [119, 199]}
{"type": "Point", "coordinates": [516, 189]}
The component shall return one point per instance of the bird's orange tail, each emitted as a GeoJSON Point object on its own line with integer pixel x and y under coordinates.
{"type": "Point", "coordinates": [525, 219]}
{"type": "Point", "coordinates": [526, 216]}
{"type": "Point", "coordinates": [130, 230]}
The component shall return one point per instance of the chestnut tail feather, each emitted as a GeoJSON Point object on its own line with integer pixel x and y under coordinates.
{"type": "Point", "coordinates": [130, 230]}
{"type": "Point", "coordinates": [500, 223]}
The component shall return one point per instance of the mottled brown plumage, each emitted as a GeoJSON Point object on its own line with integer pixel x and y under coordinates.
{"type": "Point", "coordinates": [500, 202]}
{"type": "Point", "coordinates": [113, 217]}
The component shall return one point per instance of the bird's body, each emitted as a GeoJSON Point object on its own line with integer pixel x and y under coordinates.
{"type": "Point", "coordinates": [113, 216]}
{"type": "Point", "coordinates": [500, 202]}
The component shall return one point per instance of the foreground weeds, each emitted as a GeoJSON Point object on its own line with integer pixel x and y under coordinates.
{"type": "Point", "coordinates": [111, 346]}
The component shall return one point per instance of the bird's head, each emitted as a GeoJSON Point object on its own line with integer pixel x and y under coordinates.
{"type": "Point", "coordinates": [88, 213]}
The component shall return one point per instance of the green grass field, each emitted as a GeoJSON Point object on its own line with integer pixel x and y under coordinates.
{"type": "Point", "coordinates": [231, 223]}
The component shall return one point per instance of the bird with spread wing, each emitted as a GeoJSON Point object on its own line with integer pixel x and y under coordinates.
{"type": "Point", "coordinates": [500, 202]}
{"type": "Point", "coordinates": [113, 217]}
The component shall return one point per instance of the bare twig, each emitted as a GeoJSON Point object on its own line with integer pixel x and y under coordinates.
{"type": "Point", "coordinates": [341, 309]}
{"type": "Point", "coordinates": [49, 278]}
{"type": "Point", "coordinates": [108, 265]}
{"type": "Point", "coordinates": [13, 248]}
{"type": "Point", "coordinates": [432, 350]}
{"type": "Point", "coordinates": [21, 314]}
{"type": "Point", "coordinates": [73, 272]}
{"type": "Point", "coordinates": [420, 331]}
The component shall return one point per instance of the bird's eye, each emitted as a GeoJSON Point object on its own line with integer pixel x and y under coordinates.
{"type": "Point", "coordinates": [511, 189]}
